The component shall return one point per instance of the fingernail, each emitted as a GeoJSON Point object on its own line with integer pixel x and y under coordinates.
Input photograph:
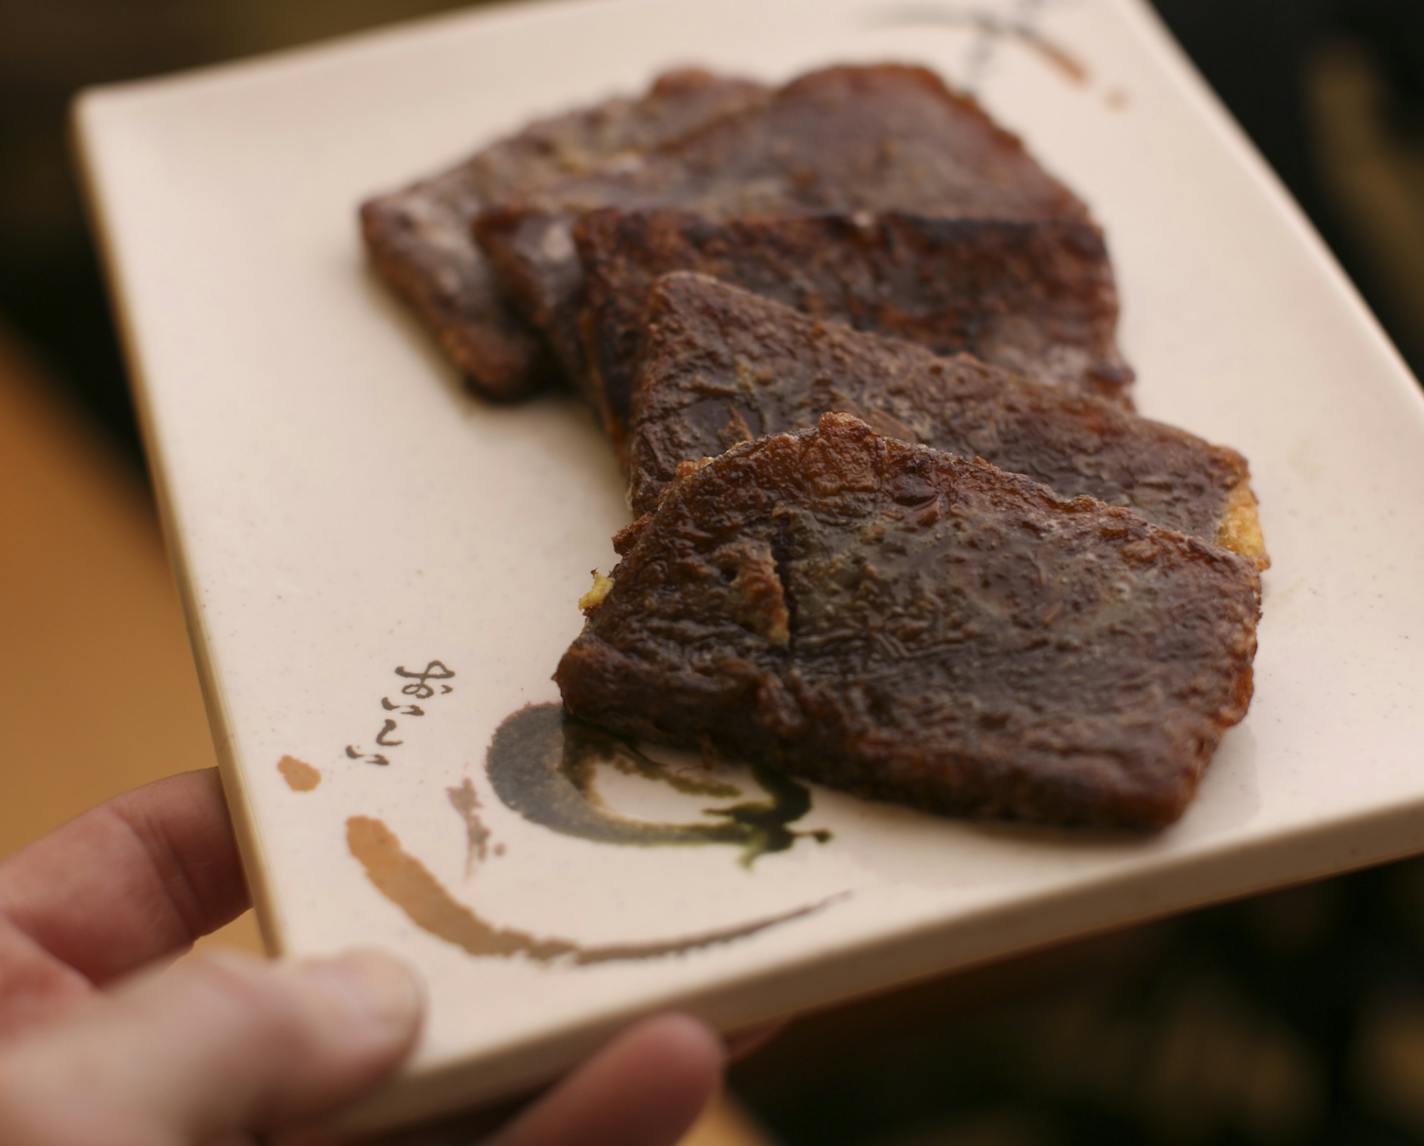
{"type": "Point", "coordinates": [374, 989]}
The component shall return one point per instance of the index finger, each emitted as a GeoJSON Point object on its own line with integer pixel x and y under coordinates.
{"type": "Point", "coordinates": [135, 879]}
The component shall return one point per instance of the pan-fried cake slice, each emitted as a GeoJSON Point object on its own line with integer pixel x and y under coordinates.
{"type": "Point", "coordinates": [911, 625]}
{"type": "Point", "coordinates": [1034, 297]}
{"type": "Point", "coordinates": [721, 366]}
{"type": "Point", "coordinates": [846, 138]}
{"type": "Point", "coordinates": [419, 237]}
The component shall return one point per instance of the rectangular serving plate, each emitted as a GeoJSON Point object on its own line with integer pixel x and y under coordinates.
{"type": "Point", "coordinates": [342, 514]}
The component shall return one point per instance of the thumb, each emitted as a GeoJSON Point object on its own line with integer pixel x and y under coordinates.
{"type": "Point", "coordinates": [217, 1043]}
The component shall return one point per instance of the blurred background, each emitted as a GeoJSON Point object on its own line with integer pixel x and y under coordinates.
{"type": "Point", "coordinates": [1291, 1018]}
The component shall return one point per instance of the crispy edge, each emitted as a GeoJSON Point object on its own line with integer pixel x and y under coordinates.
{"type": "Point", "coordinates": [1239, 529]}
{"type": "Point", "coordinates": [499, 357]}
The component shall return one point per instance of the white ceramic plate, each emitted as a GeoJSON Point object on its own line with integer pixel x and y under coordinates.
{"type": "Point", "coordinates": [340, 511]}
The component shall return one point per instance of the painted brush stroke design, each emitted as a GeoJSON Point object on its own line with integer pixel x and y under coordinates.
{"type": "Point", "coordinates": [543, 764]}
{"type": "Point", "coordinates": [466, 802]}
{"type": "Point", "coordinates": [991, 29]}
{"type": "Point", "coordinates": [412, 887]}
{"type": "Point", "coordinates": [299, 775]}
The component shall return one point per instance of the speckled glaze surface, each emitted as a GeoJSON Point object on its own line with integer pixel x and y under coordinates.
{"type": "Point", "coordinates": [381, 571]}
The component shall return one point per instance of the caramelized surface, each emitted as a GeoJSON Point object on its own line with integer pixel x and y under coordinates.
{"type": "Point", "coordinates": [721, 366]}
{"type": "Point", "coordinates": [419, 237]}
{"type": "Point", "coordinates": [846, 138]}
{"type": "Point", "coordinates": [1036, 297]}
{"type": "Point", "coordinates": [910, 625]}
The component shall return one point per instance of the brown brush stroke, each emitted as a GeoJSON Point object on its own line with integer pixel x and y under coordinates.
{"type": "Point", "coordinates": [299, 775]}
{"type": "Point", "coordinates": [412, 887]}
{"type": "Point", "coordinates": [466, 803]}
{"type": "Point", "coordinates": [1052, 53]}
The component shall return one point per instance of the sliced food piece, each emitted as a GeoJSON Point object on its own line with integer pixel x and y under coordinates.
{"type": "Point", "coordinates": [910, 625]}
{"type": "Point", "coordinates": [419, 237]}
{"type": "Point", "coordinates": [846, 138]}
{"type": "Point", "coordinates": [1037, 298]}
{"type": "Point", "coordinates": [721, 366]}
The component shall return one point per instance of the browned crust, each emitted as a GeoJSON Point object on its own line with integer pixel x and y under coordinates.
{"type": "Point", "coordinates": [419, 237]}
{"type": "Point", "coordinates": [720, 366]}
{"type": "Point", "coordinates": [958, 638]}
{"type": "Point", "coordinates": [1036, 297]}
{"type": "Point", "coordinates": [485, 338]}
{"type": "Point", "coordinates": [845, 138]}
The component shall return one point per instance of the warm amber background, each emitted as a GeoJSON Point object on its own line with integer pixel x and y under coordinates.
{"type": "Point", "coordinates": [99, 688]}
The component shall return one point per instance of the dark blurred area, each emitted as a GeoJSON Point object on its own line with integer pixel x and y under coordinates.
{"type": "Point", "coordinates": [1289, 1019]}
{"type": "Point", "coordinates": [1292, 1018]}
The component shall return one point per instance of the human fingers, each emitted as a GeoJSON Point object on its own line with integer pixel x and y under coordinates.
{"type": "Point", "coordinates": [34, 986]}
{"type": "Point", "coordinates": [644, 1089]}
{"type": "Point", "coordinates": [214, 1045]}
{"type": "Point", "coordinates": [134, 879]}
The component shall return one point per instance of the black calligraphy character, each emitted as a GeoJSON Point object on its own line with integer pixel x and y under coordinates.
{"type": "Point", "coordinates": [408, 710]}
{"type": "Point", "coordinates": [422, 691]}
{"type": "Point", "coordinates": [371, 758]}
{"type": "Point", "coordinates": [386, 729]}
{"type": "Point", "coordinates": [420, 688]}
